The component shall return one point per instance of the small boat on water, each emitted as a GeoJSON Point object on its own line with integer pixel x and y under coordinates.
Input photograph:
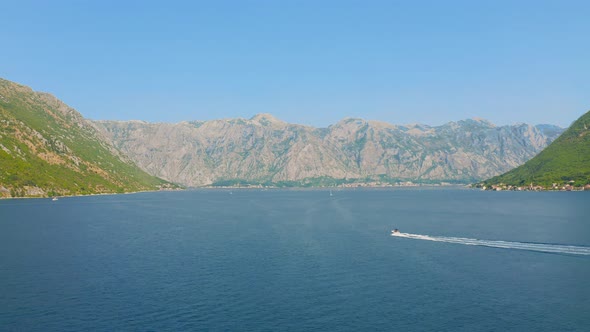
{"type": "Point", "coordinates": [395, 232]}
{"type": "Point", "coordinates": [54, 199]}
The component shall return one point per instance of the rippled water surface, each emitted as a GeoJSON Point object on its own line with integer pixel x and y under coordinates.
{"type": "Point", "coordinates": [282, 260]}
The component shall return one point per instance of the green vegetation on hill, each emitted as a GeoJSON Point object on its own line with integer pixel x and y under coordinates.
{"type": "Point", "coordinates": [566, 161]}
{"type": "Point", "coordinates": [48, 149]}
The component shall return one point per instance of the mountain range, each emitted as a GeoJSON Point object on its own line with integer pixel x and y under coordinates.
{"type": "Point", "coordinates": [265, 150]}
{"type": "Point", "coordinates": [47, 148]}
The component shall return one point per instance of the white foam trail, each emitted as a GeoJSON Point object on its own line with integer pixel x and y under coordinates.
{"type": "Point", "coordinates": [542, 247]}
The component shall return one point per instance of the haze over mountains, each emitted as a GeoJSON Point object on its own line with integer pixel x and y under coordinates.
{"type": "Point", "coordinates": [266, 150]}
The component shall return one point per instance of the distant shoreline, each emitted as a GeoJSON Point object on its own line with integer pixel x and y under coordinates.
{"type": "Point", "coordinates": [343, 186]}
{"type": "Point", "coordinates": [85, 195]}
{"type": "Point", "coordinates": [330, 188]}
{"type": "Point", "coordinates": [213, 188]}
{"type": "Point", "coordinates": [347, 188]}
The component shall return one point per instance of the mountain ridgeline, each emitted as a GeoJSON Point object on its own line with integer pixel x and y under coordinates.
{"type": "Point", "coordinates": [565, 164]}
{"type": "Point", "coordinates": [267, 151]}
{"type": "Point", "coordinates": [49, 149]}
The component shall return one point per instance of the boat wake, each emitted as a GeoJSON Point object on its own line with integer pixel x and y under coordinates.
{"type": "Point", "coordinates": [542, 247]}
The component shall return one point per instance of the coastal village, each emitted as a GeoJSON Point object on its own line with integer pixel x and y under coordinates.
{"type": "Point", "coordinates": [532, 187]}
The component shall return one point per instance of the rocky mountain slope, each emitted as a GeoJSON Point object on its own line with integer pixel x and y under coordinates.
{"type": "Point", "coordinates": [266, 150]}
{"type": "Point", "coordinates": [47, 149]}
{"type": "Point", "coordinates": [565, 163]}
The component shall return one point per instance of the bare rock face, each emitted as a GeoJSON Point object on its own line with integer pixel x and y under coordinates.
{"type": "Point", "coordinates": [264, 148]}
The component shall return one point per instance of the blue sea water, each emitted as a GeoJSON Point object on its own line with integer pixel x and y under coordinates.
{"type": "Point", "coordinates": [295, 260]}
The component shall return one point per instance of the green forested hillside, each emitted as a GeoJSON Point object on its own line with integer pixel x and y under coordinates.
{"type": "Point", "coordinates": [47, 148]}
{"type": "Point", "coordinates": [566, 161]}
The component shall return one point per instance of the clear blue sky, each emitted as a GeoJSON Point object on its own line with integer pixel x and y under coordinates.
{"type": "Point", "coordinates": [311, 62]}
